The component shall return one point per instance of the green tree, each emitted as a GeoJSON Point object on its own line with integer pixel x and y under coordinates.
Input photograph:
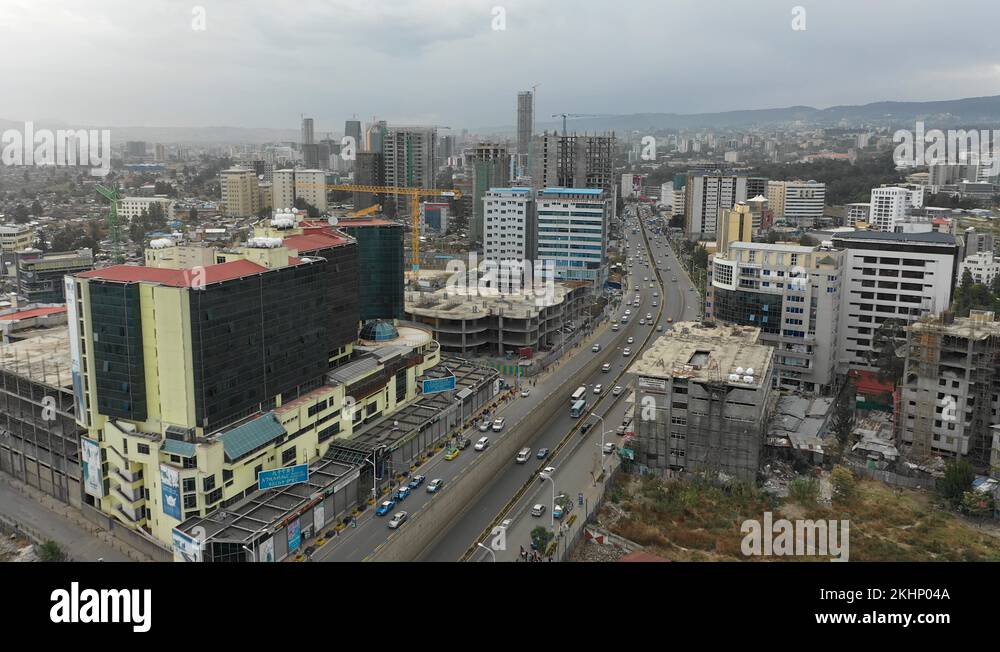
{"type": "Point", "coordinates": [193, 214]}
{"type": "Point", "coordinates": [978, 506]}
{"type": "Point", "coordinates": [958, 477]}
{"type": "Point", "coordinates": [808, 241]}
{"type": "Point", "coordinates": [842, 423]}
{"type": "Point", "coordinates": [51, 551]}
{"type": "Point", "coordinates": [541, 536]}
{"type": "Point", "coordinates": [21, 215]}
{"type": "Point", "coordinates": [804, 490]}
{"type": "Point", "coordinates": [36, 208]}
{"type": "Point", "coordinates": [844, 485]}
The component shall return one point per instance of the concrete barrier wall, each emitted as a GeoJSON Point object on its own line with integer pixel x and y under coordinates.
{"type": "Point", "coordinates": [432, 523]}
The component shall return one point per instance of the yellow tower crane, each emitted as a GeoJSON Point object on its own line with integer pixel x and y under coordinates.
{"type": "Point", "coordinates": [415, 194]}
{"type": "Point", "coordinates": [374, 208]}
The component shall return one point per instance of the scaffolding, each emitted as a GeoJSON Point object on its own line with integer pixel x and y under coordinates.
{"type": "Point", "coordinates": [983, 365]}
{"type": "Point", "coordinates": [924, 345]}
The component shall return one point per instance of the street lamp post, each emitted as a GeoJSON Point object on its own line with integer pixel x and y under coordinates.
{"type": "Point", "coordinates": [552, 513]}
{"type": "Point", "coordinates": [374, 479]}
{"type": "Point", "coordinates": [597, 416]}
{"type": "Point", "coordinates": [489, 550]}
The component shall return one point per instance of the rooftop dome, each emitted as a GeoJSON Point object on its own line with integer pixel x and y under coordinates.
{"type": "Point", "coordinates": [379, 330]}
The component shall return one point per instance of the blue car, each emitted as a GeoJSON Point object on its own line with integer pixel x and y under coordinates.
{"type": "Point", "coordinates": [385, 507]}
{"type": "Point", "coordinates": [401, 493]}
{"type": "Point", "coordinates": [416, 481]}
{"type": "Point", "coordinates": [542, 453]}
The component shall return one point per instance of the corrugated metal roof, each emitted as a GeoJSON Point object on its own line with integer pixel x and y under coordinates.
{"type": "Point", "coordinates": [244, 438]}
{"type": "Point", "coordinates": [176, 277]}
{"type": "Point", "coordinates": [176, 447]}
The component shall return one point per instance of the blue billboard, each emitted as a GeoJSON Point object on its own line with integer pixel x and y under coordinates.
{"type": "Point", "coordinates": [170, 484]}
{"type": "Point", "coordinates": [294, 535]}
{"type": "Point", "coordinates": [283, 477]}
{"type": "Point", "coordinates": [435, 385]}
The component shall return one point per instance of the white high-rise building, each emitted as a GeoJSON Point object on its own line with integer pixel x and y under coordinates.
{"type": "Point", "coordinates": [982, 265]}
{"type": "Point", "coordinates": [509, 224]}
{"type": "Point", "coordinates": [800, 202]}
{"type": "Point", "coordinates": [573, 232]}
{"type": "Point", "coordinates": [707, 196]}
{"type": "Point", "coordinates": [899, 276]}
{"type": "Point", "coordinates": [310, 185]}
{"type": "Point", "coordinates": [888, 207]}
{"type": "Point", "coordinates": [856, 212]}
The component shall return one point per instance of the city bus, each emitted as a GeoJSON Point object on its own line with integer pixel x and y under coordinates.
{"type": "Point", "coordinates": [580, 393]}
{"type": "Point", "coordinates": [578, 408]}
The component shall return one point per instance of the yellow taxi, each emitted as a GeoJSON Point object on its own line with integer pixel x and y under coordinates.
{"type": "Point", "coordinates": [451, 454]}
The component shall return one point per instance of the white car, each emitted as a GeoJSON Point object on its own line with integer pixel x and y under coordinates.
{"type": "Point", "coordinates": [498, 424]}
{"type": "Point", "coordinates": [596, 348]}
{"type": "Point", "coordinates": [630, 340]}
{"type": "Point", "coordinates": [617, 390]}
{"type": "Point", "coordinates": [526, 392]}
{"type": "Point", "coordinates": [642, 322]}
{"type": "Point", "coordinates": [548, 470]}
{"type": "Point", "coordinates": [628, 312]}
{"type": "Point", "coordinates": [484, 426]}
{"type": "Point", "coordinates": [609, 448]}
{"type": "Point", "coordinates": [397, 519]}
{"type": "Point", "coordinates": [651, 287]}
{"type": "Point", "coordinates": [482, 444]}
{"type": "Point", "coordinates": [627, 352]}
{"type": "Point", "coordinates": [598, 388]}
{"type": "Point", "coordinates": [538, 510]}
{"type": "Point", "coordinates": [649, 317]}
{"type": "Point", "coordinates": [606, 367]}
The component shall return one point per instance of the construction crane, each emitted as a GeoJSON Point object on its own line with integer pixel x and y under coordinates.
{"type": "Point", "coordinates": [374, 208]}
{"type": "Point", "coordinates": [575, 115]}
{"type": "Point", "coordinates": [114, 227]}
{"type": "Point", "coordinates": [415, 194]}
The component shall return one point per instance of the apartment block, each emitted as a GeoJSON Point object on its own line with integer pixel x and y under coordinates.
{"type": "Point", "coordinates": [707, 196]}
{"type": "Point", "coordinates": [40, 275]}
{"type": "Point", "coordinates": [573, 233]}
{"type": "Point", "coordinates": [240, 192]}
{"type": "Point", "coordinates": [983, 267]}
{"type": "Point", "coordinates": [799, 202]}
{"type": "Point", "coordinates": [129, 208]}
{"type": "Point", "coordinates": [490, 163]}
{"type": "Point", "coordinates": [511, 228]}
{"type": "Point", "coordinates": [16, 237]}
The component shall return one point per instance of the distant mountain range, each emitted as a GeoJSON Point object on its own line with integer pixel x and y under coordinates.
{"type": "Point", "coordinates": [967, 112]}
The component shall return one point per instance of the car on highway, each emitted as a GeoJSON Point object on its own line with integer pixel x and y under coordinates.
{"type": "Point", "coordinates": [606, 367]}
{"type": "Point", "coordinates": [659, 328]}
{"type": "Point", "coordinates": [609, 448]}
{"type": "Point", "coordinates": [674, 279]}
{"type": "Point", "coordinates": [525, 392]}
{"type": "Point", "coordinates": [549, 470]}
{"type": "Point", "coordinates": [670, 320]}
{"type": "Point", "coordinates": [655, 304]}
{"type": "Point", "coordinates": [626, 352]}
{"type": "Point", "coordinates": [416, 481]}
{"type": "Point", "coordinates": [398, 519]}
{"type": "Point", "coordinates": [596, 348]}
{"type": "Point", "coordinates": [523, 456]}
{"type": "Point", "coordinates": [451, 454]}
{"type": "Point", "coordinates": [645, 278]}
{"type": "Point", "coordinates": [598, 388]}
{"type": "Point", "coordinates": [628, 313]}
{"type": "Point", "coordinates": [435, 485]}
{"type": "Point", "coordinates": [538, 510]}
{"type": "Point", "coordinates": [484, 426]}
{"type": "Point", "coordinates": [461, 443]}
{"type": "Point", "coordinates": [624, 319]}
{"type": "Point", "coordinates": [630, 340]}
{"type": "Point", "coordinates": [385, 507]}
{"type": "Point", "coordinates": [402, 493]}
{"type": "Point", "coordinates": [542, 453]}
{"type": "Point", "coordinates": [642, 322]}
{"type": "Point", "coordinates": [498, 424]}
{"type": "Point", "coordinates": [651, 286]}
{"type": "Point", "coordinates": [563, 505]}
{"type": "Point", "coordinates": [617, 390]}
{"type": "Point", "coordinates": [482, 444]}
{"type": "Point", "coordinates": [649, 317]}
{"type": "Point", "coordinates": [656, 295]}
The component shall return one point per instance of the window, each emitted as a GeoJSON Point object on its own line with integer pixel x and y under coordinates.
{"type": "Point", "coordinates": [208, 483]}
{"type": "Point", "coordinates": [188, 484]}
{"type": "Point", "coordinates": [143, 449]}
{"type": "Point", "coordinates": [288, 456]}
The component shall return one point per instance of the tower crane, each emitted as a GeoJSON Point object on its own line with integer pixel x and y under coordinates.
{"type": "Point", "coordinates": [114, 227]}
{"type": "Point", "coordinates": [415, 194]}
{"type": "Point", "coordinates": [576, 115]}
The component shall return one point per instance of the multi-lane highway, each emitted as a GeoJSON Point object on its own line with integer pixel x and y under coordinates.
{"type": "Point", "coordinates": [674, 301]}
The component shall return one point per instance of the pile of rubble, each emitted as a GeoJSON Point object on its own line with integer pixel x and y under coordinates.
{"type": "Point", "coordinates": [15, 548]}
{"type": "Point", "coordinates": [778, 474]}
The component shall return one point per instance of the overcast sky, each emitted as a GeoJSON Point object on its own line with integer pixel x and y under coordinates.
{"type": "Point", "coordinates": [262, 63]}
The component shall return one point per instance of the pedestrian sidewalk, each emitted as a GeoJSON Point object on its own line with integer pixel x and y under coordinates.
{"type": "Point", "coordinates": [43, 516]}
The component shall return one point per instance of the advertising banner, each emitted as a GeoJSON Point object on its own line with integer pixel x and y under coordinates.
{"type": "Point", "coordinates": [170, 483]}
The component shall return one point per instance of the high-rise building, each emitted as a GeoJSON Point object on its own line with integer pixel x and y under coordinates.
{"type": "Point", "coordinates": [978, 241]}
{"type": "Point", "coordinates": [240, 192]}
{"type": "Point", "coordinates": [183, 371]}
{"type": "Point", "coordinates": [135, 149]}
{"type": "Point", "coordinates": [898, 276]}
{"type": "Point", "coordinates": [573, 232]}
{"type": "Point", "coordinates": [16, 237]}
{"type": "Point", "coordinates": [706, 196]}
{"type": "Point", "coordinates": [310, 185]}
{"type": "Point", "coordinates": [756, 186]}
{"type": "Point", "coordinates": [798, 202]}
{"type": "Point", "coordinates": [408, 159]}
{"type": "Point", "coordinates": [510, 225]}
{"type": "Point", "coordinates": [380, 265]}
{"type": "Point", "coordinates": [983, 266]}
{"type": "Point", "coordinates": [889, 206]}
{"type": "Point", "coordinates": [525, 127]}
{"type": "Point", "coordinates": [575, 161]}
{"type": "Point", "coordinates": [308, 138]}
{"type": "Point", "coordinates": [736, 226]}
{"type": "Point", "coordinates": [283, 188]}
{"type": "Point", "coordinates": [490, 163]}
{"type": "Point", "coordinates": [368, 171]}
{"type": "Point", "coordinates": [856, 212]}
{"type": "Point", "coordinates": [793, 295]}
{"type": "Point", "coordinates": [375, 136]}
{"type": "Point", "coordinates": [352, 129]}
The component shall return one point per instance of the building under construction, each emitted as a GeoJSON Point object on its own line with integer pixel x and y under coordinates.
{"type": "Point", "coordinates": [951, 388]}
{"type": "Point", "coordinates": [703, 395]}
